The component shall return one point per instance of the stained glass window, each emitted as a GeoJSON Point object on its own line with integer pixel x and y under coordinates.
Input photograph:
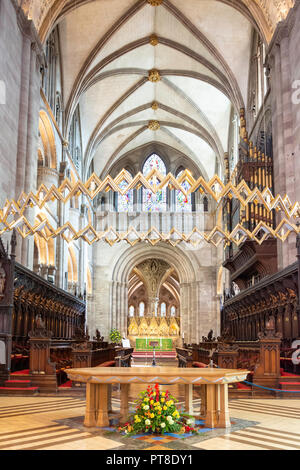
{"type": "Point", "coordinates": [173, 311]}
{"type": "Point", "coordinates": [125, 202]}
{"type": "Point", "coordinates": [183, 203]}
{"type": "Point", "coordinates": [141, 309]}
{"type": "Point", "coordinates": [163, 309]}
{"type": "Point", "coordinates": [154, 202]}
{"type": "Point", "coordinates": [131, 311]}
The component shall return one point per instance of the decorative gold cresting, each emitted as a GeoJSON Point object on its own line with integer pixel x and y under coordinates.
{"type": "Point", "coordinates": [154, 40]}
{"type": "Point", "coordinates": [155, 106]}
{"type": "Point", "coordinates": [155, 3]}
{"type": "Point", "coordinates": [154, 76]}
{"type": "Point", "coordinates": [153, 125]}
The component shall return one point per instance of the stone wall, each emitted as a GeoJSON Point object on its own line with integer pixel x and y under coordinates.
{"type": "Point", "coordinates": [283, 58]}
{"type": "Point", "coordinates": [20, 58]}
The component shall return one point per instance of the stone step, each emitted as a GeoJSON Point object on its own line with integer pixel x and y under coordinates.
{"type": "Point", "coordinates": [17, 383]}
{"type": "Point", "coordinates": [20, 391]}
{"type": "Point", "coordinates": [287, 379]}
{"type": "Point", "coordinates": [290, 385]}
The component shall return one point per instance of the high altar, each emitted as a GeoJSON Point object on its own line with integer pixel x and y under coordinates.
{"type": "Point", "coordinates": [165, 330]}
{"type": "Point", "coordinates": [152, 324]}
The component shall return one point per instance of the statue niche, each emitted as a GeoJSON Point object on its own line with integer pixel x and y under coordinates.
{"type": "Point", "coordinates": [143, 328]}
{"type": "Point", "coordinates": [133, 328]}
{"type": "Point", "coordinates": [164, 328]}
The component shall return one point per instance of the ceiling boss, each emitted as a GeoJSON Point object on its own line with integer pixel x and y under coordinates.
{"type": "Point", "coordinates": [154, 40]}
{"type": "Point", "coordinates": [155, 3]}
{"type": "Point", "coordinates": [154, 76]}
{"type": "Point", "coordinates": [153, 125]}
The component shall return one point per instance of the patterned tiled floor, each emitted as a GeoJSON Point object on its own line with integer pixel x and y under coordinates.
{"type": "Point", "coordinates": [56, 423]}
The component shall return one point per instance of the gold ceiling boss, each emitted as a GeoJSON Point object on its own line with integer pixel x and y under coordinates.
{"type": "Point", "coordinates": [154, 40]}
{"type": "Point", "coordinates": [155, 3]}
{"type": "Point", "coordinates": [153, 125]}
{"type": "Point", "coordinates": [154, 76]}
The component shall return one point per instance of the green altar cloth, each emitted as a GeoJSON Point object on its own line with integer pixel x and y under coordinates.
{"type": "Point", "coordinates": [164, 344]}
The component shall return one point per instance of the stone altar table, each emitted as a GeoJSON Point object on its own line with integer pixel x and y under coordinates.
{"type": "Point", "coordinates": [214, 384]}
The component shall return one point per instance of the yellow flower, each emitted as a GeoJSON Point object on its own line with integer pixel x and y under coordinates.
{"type": "Point", "coordinates": [162, 400]}
{"type": "Point", "coordinates": [165, 407]}
{"type": "Point", "coordinates": [146, 399]}
{"type": "Point", "coordinates": [152, 415]}
{"type": "Point", "coordinates": [151, 402]}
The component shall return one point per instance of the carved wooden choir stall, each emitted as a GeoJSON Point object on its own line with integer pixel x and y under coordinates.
{"type": "Point", "coordinates": [42, 331]}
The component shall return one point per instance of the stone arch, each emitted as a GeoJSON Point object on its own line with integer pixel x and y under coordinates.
{"type": "Point", "coordinates": [72, 267]}
{"type": "Point", "coordinates": [44, 251]}
{"type": "Point", "coordinates": [261, 16]}
{"type": "Point", "coordinates": [135, 160]}
{"type": "Point", "coordinates": [46, 154]}
{"type": "Point", "coordinates": [187, 268]}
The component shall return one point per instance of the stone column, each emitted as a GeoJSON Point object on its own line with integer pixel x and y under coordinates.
{"type": "Point", "coordinates": [61, 250]}
{"type": "Point", "coordinates": [31, 145]}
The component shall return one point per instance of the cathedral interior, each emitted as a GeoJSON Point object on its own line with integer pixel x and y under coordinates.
{"type": "Point", "coordinates": [149, 220]}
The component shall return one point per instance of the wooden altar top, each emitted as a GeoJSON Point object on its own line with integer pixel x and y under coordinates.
{"type": "Point", "coordinates": [160, 375]}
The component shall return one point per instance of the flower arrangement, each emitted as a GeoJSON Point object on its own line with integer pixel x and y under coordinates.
{"type": "Point", "coordinates": [115, 336]}
{"type": "Point", "coordinates": [156, 412]}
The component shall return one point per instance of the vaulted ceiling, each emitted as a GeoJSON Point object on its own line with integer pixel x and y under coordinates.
{"type": "Point", "coordinates": [167, 74]}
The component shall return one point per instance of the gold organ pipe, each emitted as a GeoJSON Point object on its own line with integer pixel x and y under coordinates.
{"type": "Point", "coordinates": [251, 150]}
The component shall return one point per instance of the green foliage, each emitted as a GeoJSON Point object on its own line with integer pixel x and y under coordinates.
{"type": "Point", "coordinates": [115, 336]}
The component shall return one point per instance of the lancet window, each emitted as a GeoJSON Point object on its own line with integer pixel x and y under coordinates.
{"type": "Point", "coordinates": [154, 202]}
{"type": "Point", "coordinates": [183, 202]}
{"type": "Point", "coordinates": [125, 201]}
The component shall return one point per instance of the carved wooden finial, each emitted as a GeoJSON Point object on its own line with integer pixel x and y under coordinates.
{"type": "Point", "coordinates": [298, 236]}
{"type": "Point", "coordinates": [3, 253]}
{"type": "Point", "coordinates": [13, 244]}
